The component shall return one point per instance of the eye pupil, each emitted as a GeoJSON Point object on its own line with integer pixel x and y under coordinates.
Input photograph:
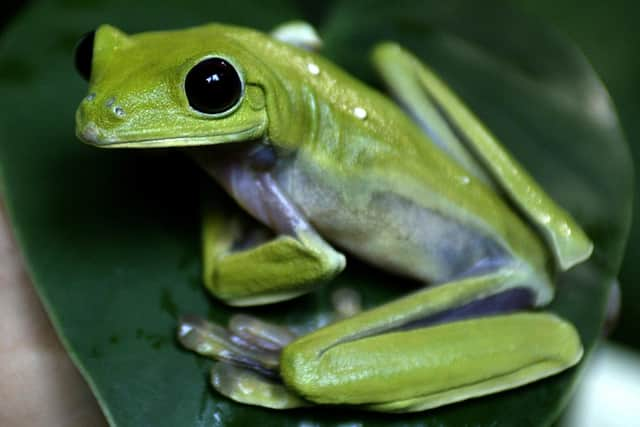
{"type": "Point", "coordinates": [213, 86]}
{"type": "Point", "coordinates": [84, 55]}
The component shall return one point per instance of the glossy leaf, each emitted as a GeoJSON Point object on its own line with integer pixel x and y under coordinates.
{"type": "Point", "coordinates": [111, 237]}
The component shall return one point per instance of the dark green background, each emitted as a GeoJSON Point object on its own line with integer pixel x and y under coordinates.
{"type": "Point", "coordinates": [608, 32]}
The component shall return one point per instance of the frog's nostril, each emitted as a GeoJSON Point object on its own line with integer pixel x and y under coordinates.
{"type": "Point", "coordinates": [119, 111]}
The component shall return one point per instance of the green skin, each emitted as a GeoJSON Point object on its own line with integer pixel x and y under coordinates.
{"type": "Point", "coordinates": [346, 165]}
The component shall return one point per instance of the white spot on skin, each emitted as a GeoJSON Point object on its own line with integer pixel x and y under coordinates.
{"type": "Point", "coordinates": [545, 218]}
{"type": "Point", "coordinates": [91, 97]}
{"type": "Point", "coordinates": [313, 68]}
{"type": "Point", "coordinates": [360, 113]}
{"type": "Point", "coordinates": [110, 102]}
{"type": "Point", "coordinates": [565, 230]}
{"type": "Point", "coordinates": [118, 111]}
{"type": "Point", "coordinates": [465, 179]}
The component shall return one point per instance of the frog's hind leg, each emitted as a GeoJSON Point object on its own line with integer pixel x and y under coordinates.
{"type": "Point", "coordinates": [455, 341]}
{"type": "Point", "coordinates": [248, 358]}
{"type": "Point", "coordinates": [298, 33]}
{"type": "Point", "coordinates": [401, 72]}
{"type": "Point", "coordinates": [248, 353]}
{"type": "Point", "coordinates": [456, 130]}
{"type": "Point", "coordinates": [444, 344]}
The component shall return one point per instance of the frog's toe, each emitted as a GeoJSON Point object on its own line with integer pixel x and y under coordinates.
{"type": "Point", "coordinates": [258, 334]}
{"type": "Point", "coordinates": [250, 387]}
{"type": "Point", "coordinates": [346, 302]}
{"type": "Point", "coordinates": [211, 340]}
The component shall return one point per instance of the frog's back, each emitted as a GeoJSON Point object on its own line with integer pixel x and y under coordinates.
{"type": "Point", "coordinates": [372, 181]}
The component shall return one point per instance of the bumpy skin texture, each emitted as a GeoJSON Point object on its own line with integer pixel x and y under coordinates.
{"type": "Point", "coordinates": [334, 148]}
{"type": "Point", "coordinates": [323, 159]}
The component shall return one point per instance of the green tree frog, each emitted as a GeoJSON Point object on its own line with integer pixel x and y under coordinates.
{"type": "Point", "coordinates": [325, 164]}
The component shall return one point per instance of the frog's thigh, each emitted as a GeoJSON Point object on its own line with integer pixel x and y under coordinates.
{"type": "Point", "coordinates": [401, 73]}
{"type": "Point", "coordinates": [386, 359]}
{"type": "Point", "coordinates": [477, 357]}
{"type": "Point", "coordinates": [245, 265]}
{"type": "Point", "coordinates": [452, 126]}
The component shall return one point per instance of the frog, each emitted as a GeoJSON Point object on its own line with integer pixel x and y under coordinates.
{"type": "Point", "coordinates": [321, 166]}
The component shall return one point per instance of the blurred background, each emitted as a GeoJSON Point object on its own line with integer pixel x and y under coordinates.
{"type": "Point", "coordinates": [608, 35]}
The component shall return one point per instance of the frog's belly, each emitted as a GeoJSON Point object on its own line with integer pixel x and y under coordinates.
{"type": "Point", "coordinates": [392, 231]}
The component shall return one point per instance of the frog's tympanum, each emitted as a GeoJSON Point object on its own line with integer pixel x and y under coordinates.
{"type": "Point", "coordinates": [321, 161]}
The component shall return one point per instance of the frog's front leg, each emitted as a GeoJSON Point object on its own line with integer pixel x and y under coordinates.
{"type": "Point", "coordinates": [293, 262]}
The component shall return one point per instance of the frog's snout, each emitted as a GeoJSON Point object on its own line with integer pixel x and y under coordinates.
{"type": "Point", "coordinates": [89, 133]}
{"type": "Point", "coordinates": [107, 107]}
{"type": "Point", "coordinates": [95, 115]}
{"type": "Point", "coordinates": [86, 129]}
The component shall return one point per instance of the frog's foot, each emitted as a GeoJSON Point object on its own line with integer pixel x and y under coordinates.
{"type": "Point", "coordinates": [252, 388]}
{"type": "Point", "coordinates": [346, 303]}
{"type": "Point", "coordinates": [247, 342]}
{"type": "Point", "coordinates": [248, 353]}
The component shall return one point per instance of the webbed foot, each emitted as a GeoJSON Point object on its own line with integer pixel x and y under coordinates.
{"type": "Point", "coordinates": [248, 353]}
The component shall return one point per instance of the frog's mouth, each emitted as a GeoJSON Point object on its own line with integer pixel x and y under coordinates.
{"type": "Point", "coordinates": [90, 134]}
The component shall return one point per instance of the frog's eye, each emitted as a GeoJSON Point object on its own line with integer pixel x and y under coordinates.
{"type": "Point", "coordinates": [84, 55]}
{"type": "Point", "coordinates": [213, 86]}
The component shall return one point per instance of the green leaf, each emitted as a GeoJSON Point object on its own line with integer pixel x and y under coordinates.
{"type": "Point", "coordinates": [616, 24]}
{"type": "Point", "coordinates": [111, 237]}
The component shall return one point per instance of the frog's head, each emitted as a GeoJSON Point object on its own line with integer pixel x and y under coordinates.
{"type": "Point", "coordinates": [167, 89]}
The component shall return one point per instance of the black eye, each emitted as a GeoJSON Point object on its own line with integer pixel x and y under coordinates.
{"type": "Point", "coordinates": [84, 55]}
{"type": "Point", "coordinates": [213, 86]}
